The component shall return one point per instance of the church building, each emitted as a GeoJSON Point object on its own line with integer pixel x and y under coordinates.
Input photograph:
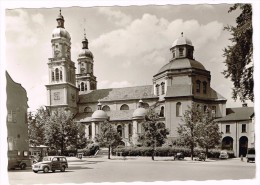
{"type": "Point", "coordinates": [176, 85]}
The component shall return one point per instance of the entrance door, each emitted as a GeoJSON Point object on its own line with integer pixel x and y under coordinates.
{"type": "Point", "coordinates": [243, 143]}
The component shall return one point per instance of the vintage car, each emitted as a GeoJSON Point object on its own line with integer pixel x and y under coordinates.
{"type": "Point", "coordinates": [250, 155]}
{"type": "Point", "coordinates": [21, 163]}
{"type": "Point", "coordinates": [51, 163]}
{"type": "Point", "coordinates": [223, 154]}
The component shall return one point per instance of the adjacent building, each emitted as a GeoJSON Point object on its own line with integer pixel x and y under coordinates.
{"type": "Point", "coordinates": [16, 121]}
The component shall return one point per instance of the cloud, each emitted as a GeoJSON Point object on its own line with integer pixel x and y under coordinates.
{"type": "Point", "coordinates": [22, 29]}
{"type": "Point", "coordinates": [115, 16]}
{"type": "Point", "coordinates": [149, 36]}
{"type": "Point", "coordinates": [107, 84]}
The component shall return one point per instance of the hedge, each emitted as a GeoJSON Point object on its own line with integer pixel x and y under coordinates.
{"type": "Point", "coordinates": [165, 151]}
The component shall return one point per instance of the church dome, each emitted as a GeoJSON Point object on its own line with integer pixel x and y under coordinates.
{"type": "Point", "coordinates": [85, 53]}
{"type": "Point", "coordinates": [182, 41]}
{"type": "Point", "coordinates": [139, 113]}
{"type": "Point", "coordinates": [60, 33]}
{"type": "Point", "coordinates": [182, 63]}
{"type": "Point", "coordinates": [99, 115]}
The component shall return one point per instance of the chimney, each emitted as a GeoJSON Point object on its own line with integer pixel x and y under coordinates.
{"type": "Point", "coordinates": [244, 105]}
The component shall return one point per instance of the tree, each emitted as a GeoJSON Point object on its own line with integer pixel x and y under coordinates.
{"type": "Point", "coordinates": [239, 56]}
{"type": "Point", "coordinates": [108, 136]}
{"type": "Point", "coordinates": [208, 130]}
{"type": "Point", "coordinates": [154, 133]}
{"type": "Point", "coordinates": [56, 130]}
{"type": "Point", "coordinates": [189, 130]}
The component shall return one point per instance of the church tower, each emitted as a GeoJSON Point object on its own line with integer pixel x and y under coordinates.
{"type": "Point", "coordinates": [86, 80]}
{"type": "Point", "coordinates": [61, 90]}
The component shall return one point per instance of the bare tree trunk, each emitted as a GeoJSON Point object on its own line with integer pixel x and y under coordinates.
{"type": "Point", "coordinates": [192, 151]}
{"type": "Point", "coordinates": [153, 151]}
{"type": "Point", "coordinates": [109, 148]}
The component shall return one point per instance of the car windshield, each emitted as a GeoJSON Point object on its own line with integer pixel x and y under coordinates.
{"type": "Point", "coordinates": [251, 151]}
{"type": "Point", "coordinates": [46, 159]}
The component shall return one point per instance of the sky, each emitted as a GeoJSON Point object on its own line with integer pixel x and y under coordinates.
{"type": "Point", "coordinates": [130, 44]}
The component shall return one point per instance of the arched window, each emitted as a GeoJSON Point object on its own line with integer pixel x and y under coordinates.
{"type": "Point", "coordinates": [198, 86]}
{"type": "Point", "coordinates": [157, 89]}
{"type": "Point", "coordinates": [60, 75]}
{"type": "Point", "coordinates": [120, 130]}
{"type": "Point", "coordinates": [82, 86]}
{"type": "Point", "coordinates": [163, 87]}
{"type": "Point", "coordinates": [162, 112]}
{"type": "Point", "coordinates": [86, 87]}
{"type": "Point", "coordinates": [52, 76]}
{"type": "Point", "coordinates": [56, 74]}
{"type": "Point", "coordinates": [106, 108]}
{"type": "Point", "coordinates": [130, 129]}
{"type": "Point", "coordinates": [124, 107]}
{"type": "Point", "coordinates": [204, 87]}
{"type": "Point", "coordinates": [88, 110]}
{"type": "Point", "coordinates": [178, 109]}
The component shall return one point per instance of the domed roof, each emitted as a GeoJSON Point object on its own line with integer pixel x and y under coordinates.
{"type": "Point", "coordinates": [60, 32]}
{"type": "Point", "coordinates": [85, 53]}
{"type": "Point", "coordinates": [182, 63]}
{"type": "Point", "coordinates": [139, 113]}
{"type": "Point", "coordinates": [182, 41]}
{"type": "Point", "coordinates": [99, 115]}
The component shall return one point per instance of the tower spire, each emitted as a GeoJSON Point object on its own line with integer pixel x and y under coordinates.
{"type": "Point", "coordinates": [85, 41]}
{"type": "Point", "coordinates": [60, 20]}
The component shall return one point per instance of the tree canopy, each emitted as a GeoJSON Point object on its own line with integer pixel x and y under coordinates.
{"type": "Point", "coordinates": [198, 129]}
{"type": "Point", "coordinates": [239, 55]}
{"type": "Point", "coordinates": [154, 133]}
{"type": "Point", "coordinates": [108, 136]}
{"type": "Point", "coordinates": [56, 130]}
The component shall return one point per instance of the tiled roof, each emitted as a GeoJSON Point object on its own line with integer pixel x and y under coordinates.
{"type": "Point", "coordinates": [114, 115]}
{"type": "Point", "coordinates": [237, 114]}
{"type": "Point", "coordinates": [185, 90]}
{"type": "Point", "coordinates": [126, 93]}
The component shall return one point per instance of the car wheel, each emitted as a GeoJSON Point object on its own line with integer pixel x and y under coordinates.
{"type": "Point", "coordinates": [53, 171]}
{"type": "Point", "coordinates": [62, 169]}
{"type": "Point", "coordinates": [45, 169]}
{"type": "Point", "coordinates": [23, 166]}
{"type": "Point", "coordinates": [35, 171]}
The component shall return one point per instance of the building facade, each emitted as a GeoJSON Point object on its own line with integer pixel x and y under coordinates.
{"type": "Point", "coordinates": [177, 85]}
{"type": "Point", "coordinates": [17, 125]}
{"type": "Point", "coordinates": [238, 129]}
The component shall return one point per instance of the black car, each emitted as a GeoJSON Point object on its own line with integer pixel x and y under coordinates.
{"type": "Point", "coordinates": [250, 155]}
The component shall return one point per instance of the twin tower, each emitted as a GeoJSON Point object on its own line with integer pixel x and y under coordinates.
{"type": "Point", "coordinates": [64, 85]}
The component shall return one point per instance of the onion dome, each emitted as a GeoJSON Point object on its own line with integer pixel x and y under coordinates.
{"type": "Point", "coordinates": [140, 112]}
{"type": "Point", "coordinates": [85, 52]}
{"type": "Point", "coordinates": [182, 41]}
{"type": "Point", "coordinates": [99, 115]}
{"type": "Point", "coordinates": [60, 31]}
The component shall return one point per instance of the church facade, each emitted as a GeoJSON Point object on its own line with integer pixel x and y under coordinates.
{"type": "Point", "coordinates": [176, 85]}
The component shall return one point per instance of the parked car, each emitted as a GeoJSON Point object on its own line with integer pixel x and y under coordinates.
{"type": "Point", "coordinates": [250, 154]}
{"type": "Point", "coordinates": [201, 157]}
{"type": "Point", "coordinates": [21, 163]}
{"type": "Point", "coordinates": [178, 156]}
{"type": "Point", "coordinates": [51, 163]}
{"type": "Point", "coordinates": [223, 154]}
